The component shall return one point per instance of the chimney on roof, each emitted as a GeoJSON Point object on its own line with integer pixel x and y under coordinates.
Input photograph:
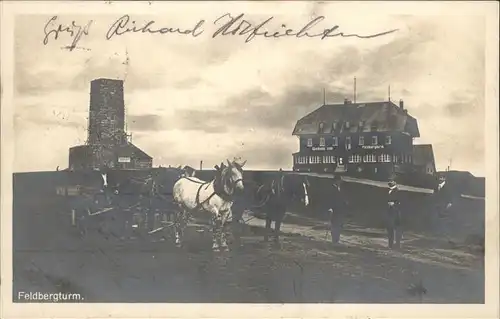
{"type": "Point", "coordinates": [401, 104]}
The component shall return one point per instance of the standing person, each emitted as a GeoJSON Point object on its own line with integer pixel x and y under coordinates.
{"type": "Point", "coordinates": [442, 198]}
{"type": "Point", "coordinates": [337, 209]}
{"type": "Point", "coordinates": [394, 231]}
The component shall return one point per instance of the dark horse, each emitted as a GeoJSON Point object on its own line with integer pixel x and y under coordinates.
{"type": "Point", "coordinates": [278, 195]}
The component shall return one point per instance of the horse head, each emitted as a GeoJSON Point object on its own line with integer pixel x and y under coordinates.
{"type": "Point", "coordinates": [299, 189]}
{"type": "Point", "coordinates": [232, 176]}
{"type": "Point", "coordinates": [305, 187]}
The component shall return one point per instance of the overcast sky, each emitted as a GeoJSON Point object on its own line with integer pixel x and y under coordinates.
{"type": "Point", "coordinates": [190, 99]}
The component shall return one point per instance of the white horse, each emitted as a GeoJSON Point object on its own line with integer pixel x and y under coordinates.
{"type": "Point", "coordinates": [215, 197]}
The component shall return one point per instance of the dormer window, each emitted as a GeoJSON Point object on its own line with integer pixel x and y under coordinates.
{"type": "Point", "coordinates": [361, 124]}
{"type": "Point", "coordinates": [374, 126]}
{"type": "Point", "coordinates": [321, 127]}
{"type": "Point", "coordinates": [361, 140]}
{"type": "Point", "coordinates": [347, 124]}
{"type": "Point", "coordinates": [388, 140]}
{"type": "Point", "coordinates": [348, 143]}
{"type": "Point", "coordinates": [334, 126]}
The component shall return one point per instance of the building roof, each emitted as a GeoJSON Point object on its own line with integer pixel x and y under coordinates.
{"type": "Point", "coordinates": [362, 117]}
{"type": "Point", "coordinates": [130, 150]}
{"type": "Point", "coordinates": [80, 147]}
{"type": "Point", "coordinates": [423, 154]}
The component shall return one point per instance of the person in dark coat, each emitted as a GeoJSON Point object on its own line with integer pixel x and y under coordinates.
{"type": "Point", "coordinates": [106, 183]}
{"type": "Point", "coordinates": [337, 209]}
{"type": "Point", "coordinates": [443, 197]}
{"type": "Point", "coordinates": [443, 202]}
{"type": "Point", "coordinates": [394, 230]}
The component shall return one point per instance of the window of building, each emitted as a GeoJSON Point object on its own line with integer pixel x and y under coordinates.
{"type": "Point", "coordinates": [314, 160]}
{"type": "Point", "coordinates": [341, 161]}
{"type": "Point", "coordinates": [309, 142]}
{"type": "Point", "coordinates": [361, 140]}
{"type": "Point", "coordinates": [347, 124]}
{"type": "Point", "coordinates": [395, 159]}
{"type": "Point", "coordinates": [348, 142]}
{"type": "Point", "coordinates": [321, 141]}
{"type": "Point", "coordinates": [335, 141]}
{"type": "Point", "coordinates": [328, 159]}
{"type": "Point", "coordinates": [374, 140]}
{"type": "Point", "coordinates": [321, 127]}
{"type": "Point", "coordinates": [388, 140]}
{"type": "Point", "coordinates": [384, 158]}
{"type": "Point", "coordinates": [369, 158]}
{"type": "Point", "coordinates": [355, 159]}
{"type": "Point", "coordinates": [303, 159]}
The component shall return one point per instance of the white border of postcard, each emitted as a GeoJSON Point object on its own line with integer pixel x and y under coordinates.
{"type": "Point", "coordinates": [488, 310]}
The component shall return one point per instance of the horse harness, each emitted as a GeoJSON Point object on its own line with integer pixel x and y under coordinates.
{"type": "Point", "coordinates": [280, 191]}
{"type": "Point", "coordinates": [218, 190]}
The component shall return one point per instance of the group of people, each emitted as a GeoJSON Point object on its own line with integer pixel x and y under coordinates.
{"type": "Point", "coordinates": [339, 206]}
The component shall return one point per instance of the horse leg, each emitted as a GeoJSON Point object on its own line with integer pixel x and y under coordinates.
{"type": "Point", "coordinates": [236, 231]}
{"type": "Point", "coordinates": [224, 230]}
{"type": "Point", "coordinates": [277, 226]}
{"type": "Point", "coordinates": [216, 228]}
{"type": "Point", "coordinates": [268, 229]}
{"type": "Point", "coordinates": [223, 237]}
{"type": "Point", "coordinates": [178, 226]}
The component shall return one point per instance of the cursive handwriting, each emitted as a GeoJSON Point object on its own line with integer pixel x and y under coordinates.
{"type": "Point", "coordinates": [75, 31]}
{"type": "Point", "coordinates": [227, 25]}
{"type": "Point", "coordinates": [124, 25]}
{"type": "Point", "coordinates": [241, 27]}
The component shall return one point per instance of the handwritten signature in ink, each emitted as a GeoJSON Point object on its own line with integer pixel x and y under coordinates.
{"type": "Point", "coordinates": [124, 25]}
{"type": "Point", "coordinates": [241, 27]}
{"type": "Point", "coordinates": [55, 29]}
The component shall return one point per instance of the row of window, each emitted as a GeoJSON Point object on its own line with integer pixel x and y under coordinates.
{"type": "Point", "coordinates": [361, 141]}
{"type": "Point", "coordinates": [367, 158]}
{"type": "Point", "coordinates": [347, 125]}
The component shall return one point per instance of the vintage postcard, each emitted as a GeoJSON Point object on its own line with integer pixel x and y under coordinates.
{"type": "Point", "coordinates": [249, 159]}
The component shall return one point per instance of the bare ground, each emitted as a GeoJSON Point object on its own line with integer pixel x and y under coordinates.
{"type": "Point", "coordinates": [304, 268]}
